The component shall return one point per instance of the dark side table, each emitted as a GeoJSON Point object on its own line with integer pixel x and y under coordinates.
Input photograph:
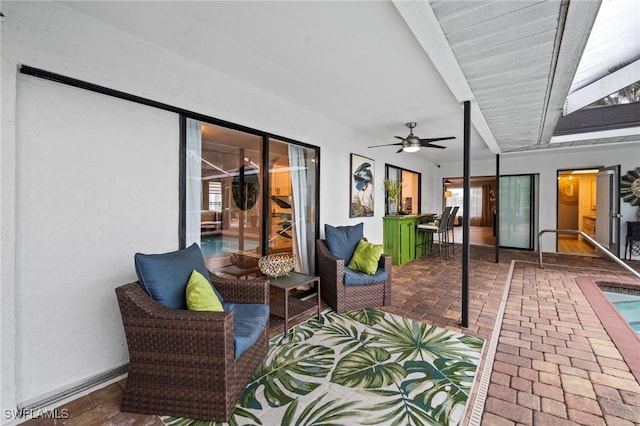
{"type": "Point", "coordinates": [288, 307]}
{"type": "Point", "coordinates": [633, 240]}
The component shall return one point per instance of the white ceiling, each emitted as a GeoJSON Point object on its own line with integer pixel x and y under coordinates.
{"type": "Point", "coordinates": [367, 63]}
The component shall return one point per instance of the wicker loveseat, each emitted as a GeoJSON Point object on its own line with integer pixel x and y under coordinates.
{"type": "Point", "coordinates": [186, 363]}
{"type": "Point", "coordinates": [337, 282]}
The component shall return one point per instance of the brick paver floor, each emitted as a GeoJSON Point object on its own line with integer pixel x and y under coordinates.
{"type": "Point", "coordinates": [554, 363]}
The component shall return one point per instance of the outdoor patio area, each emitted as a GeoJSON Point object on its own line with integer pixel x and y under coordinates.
{"type": "Point", "coordinates": [554, 362]}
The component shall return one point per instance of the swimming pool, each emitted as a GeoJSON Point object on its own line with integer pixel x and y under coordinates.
{"type": "Point", "coordinates": [619, 328]}
{"type": "Point", "coordinates": [626, 301]}
{"type": "Point", "coordinates": [219, 245]}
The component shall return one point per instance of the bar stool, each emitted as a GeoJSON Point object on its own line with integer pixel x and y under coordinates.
{"type": "Point", "coordinates": [452, 219]}
{"type": "Point", "coordinates": [424, 237]}
{"type": "Point", "coordinates": [441, 230]}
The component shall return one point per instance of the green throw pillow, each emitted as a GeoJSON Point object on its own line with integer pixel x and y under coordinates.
{"type": "Point", "coordinates": [365, 257]}
{"type": "Point", "coordinates": [200, 295]}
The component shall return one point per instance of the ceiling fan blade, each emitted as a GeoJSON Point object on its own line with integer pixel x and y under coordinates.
{"type": "Point", "coordinates": [436, 139]}
{"type": "Point", "coordinates": [387, 144]}
{"type": "Point", "coordinates": [399, 151]}
{"type": "Point", "coordinates": [432, 145]}
{"type": "Point", "coordinates": [398, 137]}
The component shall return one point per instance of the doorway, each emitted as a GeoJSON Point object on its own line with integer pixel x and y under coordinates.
{"type": "Point", "coordinates": [482, 207]}
{"type": "Point", "coordinates": [576, 209]}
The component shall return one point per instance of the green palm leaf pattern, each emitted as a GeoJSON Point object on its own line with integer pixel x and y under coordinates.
{"type": "Point", "coordinates": [367, 368]}
{"type": "Point", "coordinates": [346, 337]}
{"type": "Point", "coordinates": [234, 420]}
{"type": "Point", "coordinates": [288, 371]}
{"type": "Point", "coordinates": [435, 391]}
{"type": "Point", "coordinates": [416, 340]}
{"type": "Point", "coordinates": [301, 332]}
{"type": "Point", "coordinates": [328, 413]}
{"type": "Point", "coordinates": [364, 367]}
{"type": "Point", "coordinates": [366, 316]}
{"type": "Point", "coordinates": [397, 409]}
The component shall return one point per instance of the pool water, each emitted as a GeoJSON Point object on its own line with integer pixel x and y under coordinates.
{"type": "Point", "coordinates": [628, 305]}
{"type": "Point", "coordinates": [218, 245]}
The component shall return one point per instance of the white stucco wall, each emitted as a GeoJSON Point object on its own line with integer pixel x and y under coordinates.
{"type": "Point", "coordinates": [65, 248]}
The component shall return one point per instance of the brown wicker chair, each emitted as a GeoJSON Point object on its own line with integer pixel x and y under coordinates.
{"type": "Point", "coordinates": [345, 298]}
{"type": "Point", "coordinates": [182, 362]}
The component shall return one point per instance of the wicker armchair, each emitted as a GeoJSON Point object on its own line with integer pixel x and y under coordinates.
{"type": "Point", "coordinates": [345, 298]}
{"type": "Point", "coordinates": [182, 362]}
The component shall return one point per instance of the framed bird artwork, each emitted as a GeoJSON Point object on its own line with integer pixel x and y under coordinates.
{"type": "Point", "coordinates": [362, 186]}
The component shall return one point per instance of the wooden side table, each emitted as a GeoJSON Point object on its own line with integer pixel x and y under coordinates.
{"type": "Point", "coordinates": [288, 307]}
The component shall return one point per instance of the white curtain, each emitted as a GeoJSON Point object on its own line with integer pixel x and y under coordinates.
{"type": "Point", "coordinates": [194, 182]}
{"type": "Point", "coordinates": [300, 193]}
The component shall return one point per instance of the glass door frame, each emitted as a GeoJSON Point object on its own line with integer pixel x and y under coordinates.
{"type": "Point", "coordinates": [533, 211]}
{"type": "Point", "coordinates": [387, 168]}
{"type": "Point", "coordinates": [264, 172]}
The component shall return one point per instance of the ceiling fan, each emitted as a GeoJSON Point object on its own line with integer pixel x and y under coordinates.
{"type": "Point", "coordinates": [412, 143]}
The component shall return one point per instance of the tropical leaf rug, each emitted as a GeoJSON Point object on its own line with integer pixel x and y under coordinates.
{"type": "Point", "coordinates": [364, 367]}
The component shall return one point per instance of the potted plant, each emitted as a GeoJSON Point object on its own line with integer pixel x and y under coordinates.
{"type": "Point", "coordinates": [394, 190]}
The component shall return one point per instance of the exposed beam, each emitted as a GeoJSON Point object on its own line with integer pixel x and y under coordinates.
{"type": "Point", "coordinates": [424, 25]}
{"type": "Point", "coordinates": [603, 87]}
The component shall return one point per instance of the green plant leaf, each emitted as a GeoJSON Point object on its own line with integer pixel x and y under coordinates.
{"type": "Point", "coordinates": [329, 413]}
{"type": "Point", "coordinates": [472, 342]}
{"type": "Point", "coordinates": [367, 368]}
{"type": "Point", "coordinates": [416, 340]}
{"type": "Point", "coordinates": [434, 391]}
{"type": "Point", "coordinates": [366, 316]}
{"type": "Point", "coordinates": [287, 371]}
{"type": "Point", "coordinates": [347, 337]}
{"type": "Point", "coordinates": [397, 409]}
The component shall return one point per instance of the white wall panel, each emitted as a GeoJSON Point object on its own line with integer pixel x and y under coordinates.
{"type": "Point", "coordinates": [97, 180]}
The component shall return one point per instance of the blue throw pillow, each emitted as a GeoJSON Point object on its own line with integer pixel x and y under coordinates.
{"type": "Point", "coordinates": [165, 276]}
{"type": "Point", "coordinates": [342, 240]}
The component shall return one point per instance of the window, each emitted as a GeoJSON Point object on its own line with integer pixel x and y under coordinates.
{"type": "Point", "coordinates": [410, 194]}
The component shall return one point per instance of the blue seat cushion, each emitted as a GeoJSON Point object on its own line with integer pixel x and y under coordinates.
{"type": "Point", "coordinates": [165, 276]}
{"type": "Point", "coordinates": [249, 320]}
{"type": "Point", "coordinates": [342, 240]}
{"type": "Point", "coordinates": [352, 277]}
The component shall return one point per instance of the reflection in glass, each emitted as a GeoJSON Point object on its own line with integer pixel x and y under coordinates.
{"type": "Point", "coordinates": [516, 220]}
{"type": "Point", "coordinates": [410, 193]}
{"type": "Point", "coordinates": [292, 175]}
{"type": "Point", "coordinates": [223, 195]}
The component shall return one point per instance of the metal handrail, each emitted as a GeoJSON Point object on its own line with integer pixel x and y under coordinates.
{"type": "Point", "coordinates": [588, 238]}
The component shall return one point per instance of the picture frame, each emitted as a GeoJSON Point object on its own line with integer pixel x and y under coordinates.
{"type": "Point", "coordinates": [362, 186]}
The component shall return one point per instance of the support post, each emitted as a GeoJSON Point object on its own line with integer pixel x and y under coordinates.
{"type": "Point", "coordinates": [496, 219]}
{"type": "Point", "coordinates": [465, 219]}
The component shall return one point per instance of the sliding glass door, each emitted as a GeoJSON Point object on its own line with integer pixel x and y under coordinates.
{"type": "Point", "coordinates": [517, 218]}
{"type": "Point", "coordinates": [292, 189]}
{"type": "Point", "coordinates": [240, 204]}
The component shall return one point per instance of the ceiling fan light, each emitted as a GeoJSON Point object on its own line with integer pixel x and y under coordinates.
{"type": "Point", "coordinates": [411, 148]}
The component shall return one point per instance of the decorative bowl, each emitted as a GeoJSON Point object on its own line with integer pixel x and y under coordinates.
{"type": "Point", "coordinates": [277, 265]}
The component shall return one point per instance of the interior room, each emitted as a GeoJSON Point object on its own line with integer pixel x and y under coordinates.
{"type": "Point", "coordinates": [577, 195]}
{"type": "Point", "coordinates": [482, 203]}
{"type": "Point", "coordinates": [194, 193]}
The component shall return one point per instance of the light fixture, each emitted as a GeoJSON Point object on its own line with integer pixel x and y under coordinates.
{"type": "Point", "coordinates": [447, 194]}
{"type": "Point", "coordinates": [412, 144]}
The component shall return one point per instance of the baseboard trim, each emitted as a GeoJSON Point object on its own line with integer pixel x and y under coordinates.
{"type": "Point", "coordinates": [49, 399]}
